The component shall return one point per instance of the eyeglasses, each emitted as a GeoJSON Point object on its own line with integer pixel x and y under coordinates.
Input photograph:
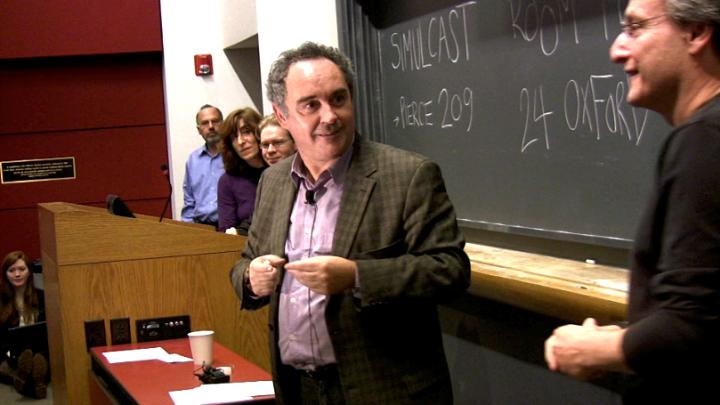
{"type": "Point", "coordinates": [632, 28]}
{"type": "Point", "coordinates": [207, 123]}
{"type": "Point", "coordinates": [275, 144]}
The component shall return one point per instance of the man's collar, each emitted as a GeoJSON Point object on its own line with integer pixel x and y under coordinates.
{"type": "Point", "coordinates": [337, 171]}
{"type": "Point", "coordinates": [206, 150]}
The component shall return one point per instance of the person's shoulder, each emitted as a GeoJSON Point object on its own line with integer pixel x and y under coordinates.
{"type": "Point", "coordinates": [196, 152]}
{"type": "Point", "coordinates": [280, 168]}
{"type": "Point", "coordinates": [280, 171]}
{"type": "Point", "coordinates": [703, 131]}
{"type": "Point", "coordinates": [224, 179]}
{"type": "Point", "coordinates": [693, 146]}
{"type": "Point", "coordinates": [390, 155]}
{"type": "Point", "coordinates": [707, 118]}
{"type": "Point", "coordinates": [233, 180]}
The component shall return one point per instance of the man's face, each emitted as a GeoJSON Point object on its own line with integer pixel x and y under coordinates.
{"type": "Point", "coordinates": [319, 111]}
{"type": "Point", "coordinates": [208, 123]}
{"type": "Point", "coordinates": [652, 50]}
{"type": "Point", "coordinates": [276, 144]}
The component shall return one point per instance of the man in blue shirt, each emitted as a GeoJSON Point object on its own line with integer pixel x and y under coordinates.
{"type": "Point", "coordinates": [203, 169]}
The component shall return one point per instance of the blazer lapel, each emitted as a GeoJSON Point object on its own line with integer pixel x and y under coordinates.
{"type": "Point", "coordinates": [356, 195]}
{"type": "Point", "coordinates": [280, 208]}
{"type": "Point", "coordinates": [285, 202]}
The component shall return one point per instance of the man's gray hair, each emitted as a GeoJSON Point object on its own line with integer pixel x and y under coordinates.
{"type": "Point", "coordinates": [696, 11]}
{"type": "Point", "coordinates": [204, 106]}
{"type": "Point", "coordinates": [276, 89]}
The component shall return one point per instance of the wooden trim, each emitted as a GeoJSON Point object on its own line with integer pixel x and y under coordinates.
{"type": "Point", "coordinates": [566, 289]}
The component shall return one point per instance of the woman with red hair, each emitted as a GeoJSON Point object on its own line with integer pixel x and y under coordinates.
{"type": "Point", "coordinates": [21, 304]}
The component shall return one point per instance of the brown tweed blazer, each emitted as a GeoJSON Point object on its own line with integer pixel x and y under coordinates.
{"type": "Point", "coordinates": [397, 223]}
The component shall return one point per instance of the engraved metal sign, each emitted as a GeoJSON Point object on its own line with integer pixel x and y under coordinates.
{"type": "Point", "coordinates": [32, 170]}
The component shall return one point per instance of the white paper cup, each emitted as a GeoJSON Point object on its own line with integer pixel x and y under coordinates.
{"type": "Point", "coordinates": [201, 346]}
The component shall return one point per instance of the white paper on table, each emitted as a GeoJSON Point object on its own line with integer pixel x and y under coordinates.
{"type": "Point", "coordinates": [222, 393]}
{"type": "Point", "coordinates": [152, 353]}
{"type": "Point", "coordinates": [175, 358]}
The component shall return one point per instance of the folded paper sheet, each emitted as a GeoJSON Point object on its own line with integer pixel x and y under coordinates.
{"type": "Point", "coordinates": [152, 353]}
{"type": "Point", "coordinates": [222, 393]}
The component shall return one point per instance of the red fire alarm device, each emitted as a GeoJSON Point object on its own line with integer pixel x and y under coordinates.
{"type": "Point", "coordinates": [203, 65]}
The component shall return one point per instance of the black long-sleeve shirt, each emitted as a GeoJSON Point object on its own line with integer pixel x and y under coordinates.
{"type": "Point", "coordinates": [674, 305]}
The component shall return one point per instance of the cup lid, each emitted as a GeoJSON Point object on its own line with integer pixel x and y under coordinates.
{"type": "Point", "coordinates": [201, 333]}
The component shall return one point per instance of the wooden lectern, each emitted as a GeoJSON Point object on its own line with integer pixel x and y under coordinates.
{"type": "Point", "coordinates": [100, 266]}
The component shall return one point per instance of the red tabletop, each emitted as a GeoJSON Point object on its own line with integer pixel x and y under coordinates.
{"type": "Point", "coordinates": [150, 381]}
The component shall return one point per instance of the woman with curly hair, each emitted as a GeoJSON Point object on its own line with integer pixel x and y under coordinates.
{"type": "Point", "coordinates": [243, 166]}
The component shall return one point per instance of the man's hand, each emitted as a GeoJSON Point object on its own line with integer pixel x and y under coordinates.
{"type": "Point", "coordinates": [324, 274]}
{"type": "Point", "coordinates": [263, 273]}
{"type": "Point", "coordinates": [585, 351]}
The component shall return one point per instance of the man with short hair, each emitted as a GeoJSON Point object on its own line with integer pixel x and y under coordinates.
{"type": "Point", "coordinates": [203, 169]}
{"type": "Point", "coordinates": [353, 244]}
{"type": "Point", "coordinates": [276, 143]}
{"type": "Point", "coordinates": [670, 51]}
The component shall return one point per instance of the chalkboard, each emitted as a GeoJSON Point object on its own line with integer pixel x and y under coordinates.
{"type": "Point", "coordinates": [525, 113]}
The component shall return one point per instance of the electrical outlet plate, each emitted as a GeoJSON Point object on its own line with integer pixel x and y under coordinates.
{"type": "Point", "coordinates": [171, 327]}
{"type": "Point", "coordinates": [120, 331]}
{"type": "Point", "coordinates": [95, 333]}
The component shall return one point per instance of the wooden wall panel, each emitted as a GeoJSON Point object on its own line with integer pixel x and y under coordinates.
{"type": "Point", "coordinates": [83, 79]}
{"type": "Point", "coordinates": [179, 286]}
{"type": "Point", "coordinates": [123, 161]}
{"type": "Point", "coordinates": [70, 93]}
{"type": "Point", "coordinates": [100, 266]}
{"type": "Point", "coordinates": [19, 231]}
{"type": "Point", "coordinates": [20, 224]}
{"type": "Point", "coordinates": [31, 28]}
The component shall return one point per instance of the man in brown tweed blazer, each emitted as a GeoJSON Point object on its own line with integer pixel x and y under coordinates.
{"type": "Point", "coordinates": [353, 244]}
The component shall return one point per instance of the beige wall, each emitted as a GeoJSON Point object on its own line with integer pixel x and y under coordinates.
{"type": "Point", "coordinates": [197, 27]}
{"type": "Point", "coordinates": [299, 21]}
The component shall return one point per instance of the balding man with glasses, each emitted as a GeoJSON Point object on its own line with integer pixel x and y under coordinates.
{"type": "Point", "coordinates": [670, 50]}
{"type": "Point", "coordinates": [203, 169]}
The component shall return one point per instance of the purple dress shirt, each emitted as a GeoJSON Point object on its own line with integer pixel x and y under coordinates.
{"type": "Point", "coordinates": [303, 337]}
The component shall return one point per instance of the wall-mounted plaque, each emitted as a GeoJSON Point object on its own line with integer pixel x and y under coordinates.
{"type": "Point", "coordinates": [25, 171]}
